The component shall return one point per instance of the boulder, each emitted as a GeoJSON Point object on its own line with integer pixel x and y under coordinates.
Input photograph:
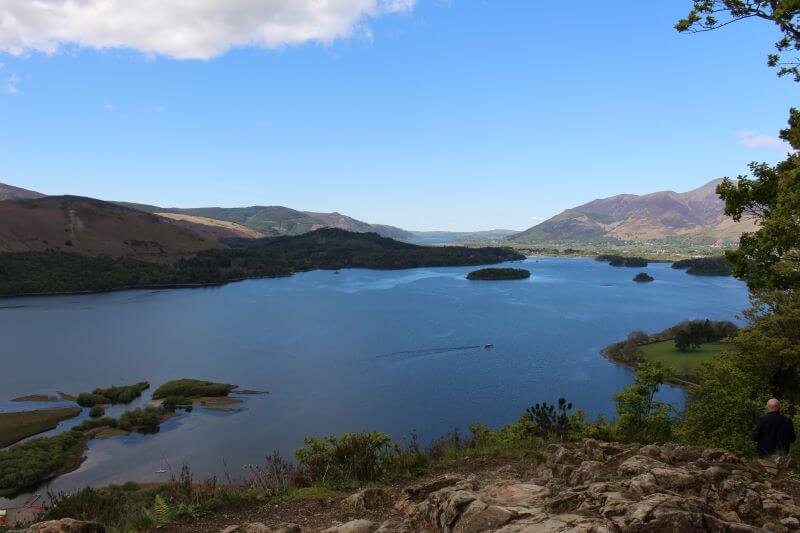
{"type": "Point", "coordinates": [365, 499]}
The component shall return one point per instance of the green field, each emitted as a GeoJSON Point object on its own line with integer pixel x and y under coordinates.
{"type": "Point", "coordinates": [17, 426]}
{"type": "Point", "coordinates": [680, 362]}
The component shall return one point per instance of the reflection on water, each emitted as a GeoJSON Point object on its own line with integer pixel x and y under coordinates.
{"type": "Point", "coordinates": [395, 351]}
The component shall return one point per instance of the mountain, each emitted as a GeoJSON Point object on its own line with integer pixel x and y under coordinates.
{"type": "Point", "coordinates": [276, 220]}
{"type": "Point", "coordinates": [94, 227]}
{"type": "Point", "coordinates": [696, 216]}
{"type": "Point", "coordinates": [9, 192]}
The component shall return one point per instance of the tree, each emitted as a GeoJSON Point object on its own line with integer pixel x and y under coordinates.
{"type": "Point", "coordinates": [707, 15]}
{"type": "Point", "coordinates": [770, 256]}
{"type": "Point", "coordinates": [641, 417]}
{"type": "Point", "coordinates": [723, 407]}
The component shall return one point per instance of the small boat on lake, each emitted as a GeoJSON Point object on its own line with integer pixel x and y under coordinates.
{"type": "Point", "coordinates": [488, 346]}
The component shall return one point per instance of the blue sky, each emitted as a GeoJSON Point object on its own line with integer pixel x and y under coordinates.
{"type": "Point", "coordinates": [459, 115]}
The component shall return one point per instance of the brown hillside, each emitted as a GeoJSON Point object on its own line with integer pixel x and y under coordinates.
{"type": "Point", "coordinates": [85, 225]}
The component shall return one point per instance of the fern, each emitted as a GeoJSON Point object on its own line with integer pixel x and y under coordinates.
{"type": "Point", "coordinates": [162, 512]}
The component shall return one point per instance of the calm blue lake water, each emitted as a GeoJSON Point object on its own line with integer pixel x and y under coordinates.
{"type": "Point", "coordinates": [395, 351]}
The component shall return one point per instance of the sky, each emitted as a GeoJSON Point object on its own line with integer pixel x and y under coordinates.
{"type": "Point", "coordinates": [429, 115]}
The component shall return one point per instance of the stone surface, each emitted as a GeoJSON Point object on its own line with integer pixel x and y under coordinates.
{"type": "Point", "coordinates": [365, 499]}
{"type": "Point", "coordinates": [66, 525]}
{"type": "Point", "coordinates": [354, 526]}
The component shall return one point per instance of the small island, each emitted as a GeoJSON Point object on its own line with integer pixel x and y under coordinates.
{"type": "Point", "coordinates": [643, 277]}
{"type": "Point", "coordinates": [705, 266]}
{"type": "Point", "coordinates": [621, 260]}
{"type": "Point", "coordinates": [494, 274]}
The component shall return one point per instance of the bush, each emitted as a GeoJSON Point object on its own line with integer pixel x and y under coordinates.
{"type": "Point", "coordinates": [97, 411]}
{"type": "Point", "coordinates": [546, 420]}
{"type": "Point", "coordinates": [353, 457]}
{"type": "Point", "coordinates": [722, 409]}
{"type": "Point", "coordinates": [112, 395]}
{"type": "Point", "coordinates": [141, 420]}
{"type": "Point", "coordinates": [641, 418]}
{"type": "Point", "coordinates": [94, 423]}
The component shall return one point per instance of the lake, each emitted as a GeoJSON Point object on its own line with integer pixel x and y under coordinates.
{"type": "Point", "coordinates": [363, 350]}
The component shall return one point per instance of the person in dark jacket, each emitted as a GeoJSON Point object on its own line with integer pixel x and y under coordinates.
{"type": "Point", "coordinates": [774, 432]}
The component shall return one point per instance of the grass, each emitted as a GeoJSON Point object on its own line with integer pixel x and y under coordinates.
{"type": "Point", "coordinates": [311, 493]}
{"type": "Point", "coordinates": [16, 426]}
{"type": "Point", "coordinates": [664, 352]}
{"type": "Point", "coordinates": [241, 230]}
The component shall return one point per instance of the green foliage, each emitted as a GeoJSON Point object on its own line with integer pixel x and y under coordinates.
{"type": "Point", "coordinates": [722, 409]}
{"type": "Point", "coordinates": [708, 15]}
{"type": "Point", "coordinates": [499, 274]}
{"type": "Point", "coordinates": [179, 390]}
{"type": "Point", "coordinates": [162, 512]}
{"type": "Point", "coordinates": [144, 420]}
{"type": "Point", "coordinates": [768, 349]}
{"type": "Point", "coordinates": [94, 423]}
{"type": "Point", "coordinates": [769, 257]}
{"type": "Point", "coordinates": [359, 457]}
{"type": "Point", "coordinates": [32, 462]}
{"type": "Point", "coordinates": [546, 420]}
{"type": "Point", "coordinates": [641, 417]}
{"type": "Point", "coordinates": [97, 411]}
{"type": "Point", "coordinates": [643, 277]}
{"type": "Point", "coordinates": [112, 395]}
{"type": "Point", "coordinates": [132, 508]}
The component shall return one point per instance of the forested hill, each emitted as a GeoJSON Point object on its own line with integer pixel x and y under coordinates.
{"type": "Point", "coordinates": [53, 272]}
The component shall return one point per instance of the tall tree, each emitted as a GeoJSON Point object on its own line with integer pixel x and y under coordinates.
{"type": "Point", "coordinates": [768, 258]}
{"type": "Point", "coordinates": [707, 15]}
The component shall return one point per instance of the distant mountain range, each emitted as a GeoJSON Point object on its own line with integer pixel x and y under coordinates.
{"type": "Point", "coordinates": [30, 220]}
{"type": "Point", "coordinates": [696, 216]}
{"type": "Point", "coordinates": [272, 221]}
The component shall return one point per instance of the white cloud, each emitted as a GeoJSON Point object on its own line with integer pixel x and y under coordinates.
{"type": "Point", "coordinates": [183, 29]}
{"type": "Point", "coordinates": [10, 86]}
{"type": "Point", "coordinates": [108, 106]}
{"type": "Point", "coordinates": [754, 140]}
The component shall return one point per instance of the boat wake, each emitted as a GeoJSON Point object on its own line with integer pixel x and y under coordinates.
{"type": "Point", "coordinates": [412, 354]}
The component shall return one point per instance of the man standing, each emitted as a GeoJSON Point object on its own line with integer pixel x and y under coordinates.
{"type": "Point", "coordinates": [774, 432]}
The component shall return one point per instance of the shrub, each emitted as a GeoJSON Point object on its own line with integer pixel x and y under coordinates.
{"type": "Point", "coordinates": [93, 423]}
{"type": "Point", "coordinates": [546, 420]}
{"type": "Point", "coordinates": [112, 395]}
{"type": "Point", "coordinates": [97, 411]}
{"type": "Point", "coordinates": [641, 418]}
{"type": "Point", "coordinates": [144, 420]}
{"type": "Point", "coordinates": [353, 457]}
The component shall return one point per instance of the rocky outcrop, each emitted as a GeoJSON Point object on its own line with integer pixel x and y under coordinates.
{"type": "Point", "coordinates": [589, 486]}
{"type": "Point", "coordinates": [594, 486]}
